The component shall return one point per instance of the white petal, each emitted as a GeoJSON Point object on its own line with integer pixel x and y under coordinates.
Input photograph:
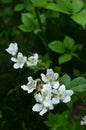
{"type": "Point", "coordinates": [62, 88]}
{"type": "Point", "coordinates": [21, 65]}
{"type": "Point", "coordinates": [16, 66]}
{"type": "Point", "coordinates": [44, 110]}
{"type": "Point", "coordinates": [38, 97]}
{"type": "Point", "coordinates": [46, 87]}
{"type": "Point", "coordinates": [66, 99]}
{"type": "Point", "coordinates": [37, 107]}
{"type": "Point", "coordinates": [36, 56]}
{"type": "Point", "coordinates": [55, 101]}
{"type": "Point", "coordinates": [20, 55]}
{"type": "Point", "coordinates": [30, 90]}
{"type": "Point", "coordinates": [12, 49]}
{"type": "Point", "coordinates": [44, 78]}
{"type": "Point", "coordinates": [56, 75]}
{"type": "Point", "coordinates": [8, 50]}
{"type": "Point", "coordinates": [82, 122]}
{"type": "Point", "coordinates": [24, 87]}
{"type": "Point", "coordinates": [13, 59]}
{"type": "Point", "coordinates": [47, 103]}
{"type": "Point", "coordinates": [69, 92]}
{"type": "Point", "coordinates": [28, 63]}
{"type": "Point", "coordinates": [56, 85]}
{"type": "Point", "coordinates": [24, 58]}
{"type": "Point", "coordinates": [50, 72]}
{"type": "Point", "coordinates": [30, 78]}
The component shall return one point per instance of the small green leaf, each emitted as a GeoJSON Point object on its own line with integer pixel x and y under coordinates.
{"type": "Point", "coordinates": [80, 18]}
{"type": "Point", "coordinates": [77, 5]}
{"type": "Point", "coordinates": [57, 46]}
{"type": "Point", "coordinates": [64, 58]}
{"type": "Point", "coordinates": [78, 84]}
{"type": "Point", "coordinates": [77, 47]}
{"type": "Point", "coordinates": [19, 7]}
{"type": "Point", "coordinates": [25, 28]}
{"type": "Point", "coordinates": [28, 18]}
{"type": "Point", "coordinates": [65, 79]}
{"type": "Point", "coordinates": [68, 42]}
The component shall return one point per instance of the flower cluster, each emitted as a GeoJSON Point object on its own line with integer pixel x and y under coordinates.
{"type": "Point", "coordinates": [18, 58]}
{"type": "Point", "coordinates": [83, 121]}
{"type": "Point", "coordinates": [48, 93]}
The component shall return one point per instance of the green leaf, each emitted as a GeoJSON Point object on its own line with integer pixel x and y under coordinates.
{"type": "Point", "coordinates": [53, 6]}
{"type": "Point", "coordinates": [28, 18]}
{"type": "Point", "coordinates": [80, 18]}
{"type": "Point", "coordinates": [56, 120]}
{"type": "Point", "coordinates": [65, 79]}
{"type": "Point", "coordinates": [68, 42]}
{"type": "Point", "coordinates": [64, 58]}
{"type": "Point", "coordinates": [25, 28]}
{"type": "Point", "coordinates": [19, 7]}
{"type": "Point", "coordinates": [78, 84]}
{"type": "Point", "coordinates": [30, 23]}
{"type": "Point", "coordinates": [77, 5]}
{"type": "Point", "coordinates": [57, 46]}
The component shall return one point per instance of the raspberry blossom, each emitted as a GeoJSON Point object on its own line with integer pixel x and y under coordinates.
{"type": "Point", "coordinates": [63, 95]}
{"type": "Point", "coordinates": [48, 93]}
{"type": "Point", "coordinates": [32, 60]}
{"type": "Point", "coordinates": [12, 49]}
{"type": "Point", "coordinates": [19, 61]}
{"type": "Point", "coordinates": [43, 103]}
{"type": "Point", "coordinates": [83, 121]}
{"type": "Point", "coordinates": [50, 77]}
{"type": "Point", "coordinates": [31, 85]}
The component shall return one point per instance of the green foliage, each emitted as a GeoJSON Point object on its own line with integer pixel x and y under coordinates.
{"type": "Point", "coordinates": [57, 120]}
{"type": "Point", "coordinates": [80, 18]}
{"type": "Point", "coordinates": [77, 84]}
{"type": "Point", "coordinates": [69, 43]}
{"type": "Point", "coordinates": [64, 58]}
{"type": "Point", "coordinates": [19, 7]}
{"type": "Point", "coordinates": [31, 23]}
{"type": "Point", "coordinates": [61, 121]}
{"type": "Point", "coordinates": [65, 79]}
{"type": "Point", "coordinates": [66, 48]}
{"type": "Point", "coordinates": [77, 5]}
{"type": "Point", "coordinates": [57, 46]}
{"type": "Point", "coordinates": [68, 7]}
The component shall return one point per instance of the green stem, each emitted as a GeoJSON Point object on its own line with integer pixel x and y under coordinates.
{"type": "Point", "coordinates": [42, 36]}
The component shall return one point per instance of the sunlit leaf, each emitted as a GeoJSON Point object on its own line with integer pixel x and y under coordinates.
{"type": "Point", "coordinates": [57, 46]}
{"type": "Point", "coordinates": [64, 58]}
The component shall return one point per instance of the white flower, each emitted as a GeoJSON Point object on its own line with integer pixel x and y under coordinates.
{"type": "Point", "coordinates": [12, 49]}
{"type": "Point", "coordinates": [50, 77]}
{"type": "Point", "coordinates": [63, 95]}
{"type": "Point", "coordinates": [19, 61]}
{"type": "Point", "coordinates": [39, 108]}
{"type": "Point", "coordinates": [43, 100]}
{"type": "Point", "coordinates": [32, 60]}
{"type": "Point", "coordinates": [83, 121]}
{"type": "Point", "coordinates": [31, 85]}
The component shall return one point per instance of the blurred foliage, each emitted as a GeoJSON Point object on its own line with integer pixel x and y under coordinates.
{"type": "Point", "coordinates": [54, 29]}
